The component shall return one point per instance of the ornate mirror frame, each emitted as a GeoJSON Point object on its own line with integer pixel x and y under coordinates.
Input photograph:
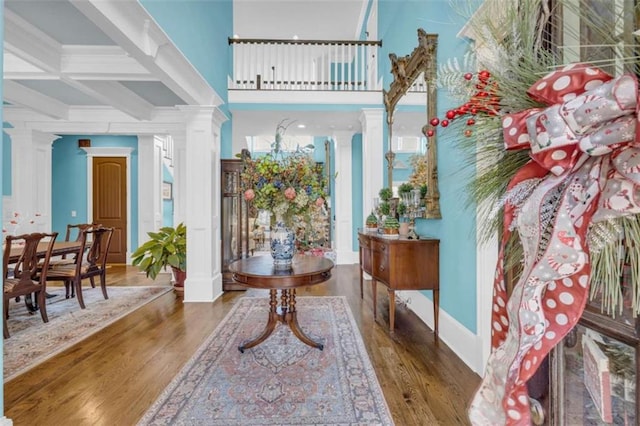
{"type": "Point", "coordinates": [405, 70]}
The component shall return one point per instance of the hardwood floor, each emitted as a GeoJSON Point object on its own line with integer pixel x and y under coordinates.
{"type": "Point", "coordinates": [113, 377]}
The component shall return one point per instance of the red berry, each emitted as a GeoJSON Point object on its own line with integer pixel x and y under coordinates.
{"type": "Point", "coordinates": [484, 75]}
{"type": "Point", "coordinates": [434, 121]}
{"type": "Point", "coordinates": [451, 114]}
{"type": "Point", "coordinates": [430, 132]}
{"type": "Point", "coordinates": [444, 123]}
{"type": "Point", "coordinates": [471, 122]}
{"type": "Point", "coordinates": [468, 133]}
{"type": "Point", "coordinates": [468, 76]}
{"type": "Point", "coordinates": [474, 111]}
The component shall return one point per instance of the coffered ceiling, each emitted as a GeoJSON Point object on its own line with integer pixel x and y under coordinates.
{"type": "Point", "coordinates": [62, 58]}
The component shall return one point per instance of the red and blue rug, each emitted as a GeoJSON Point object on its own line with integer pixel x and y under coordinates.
{"type": "Point", "coordinates": [282, 381]}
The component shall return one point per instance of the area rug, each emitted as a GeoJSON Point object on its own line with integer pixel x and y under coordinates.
{"type": "Point", "coordinates": [33, 341]}
{"type": "Point", "coordinates": [281, 381]}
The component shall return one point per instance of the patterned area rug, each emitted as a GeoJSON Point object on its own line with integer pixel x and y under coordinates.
{"type": "Point", "coordinates": [281, 381]}
{"type": "Point", "coordinates": [33, 341]}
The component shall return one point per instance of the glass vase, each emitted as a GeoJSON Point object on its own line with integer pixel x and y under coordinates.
{"type": "Point", "coordinates": [282, 246]}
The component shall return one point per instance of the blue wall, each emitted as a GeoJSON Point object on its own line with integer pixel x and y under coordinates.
{"type": "Point", "coordinates": [200, 29]}
{"type": "Point", "coordinates": [69, 180]}
{"type": "Point", "coordinates": [398, 22]}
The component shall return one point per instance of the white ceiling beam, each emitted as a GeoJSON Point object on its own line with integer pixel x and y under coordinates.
{"type": "Point", "coordinates": [21, 95]}
{"type": "Point", "coordinates": [30, 44]}
{"type": "Point", "coordinates": [147, 43]}
{"type": "Point", "coordinates": [98, 120]}
{"type": "Point", "coordinates": [115, 94]}
{"type": "Point", "coordinates": [102, 63]}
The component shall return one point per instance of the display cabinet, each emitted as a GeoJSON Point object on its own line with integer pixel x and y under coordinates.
{"type": "Point", "coordinates": [234, 221]}
{"type": "Point", "coordinates": [594, 371]}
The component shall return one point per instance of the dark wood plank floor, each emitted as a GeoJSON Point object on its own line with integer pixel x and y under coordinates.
{"type": "Point", "coordinates": [114, 376]}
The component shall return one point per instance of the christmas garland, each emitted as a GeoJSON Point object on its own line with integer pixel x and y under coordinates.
{"type": "Point", "coordinates": [556, 150]}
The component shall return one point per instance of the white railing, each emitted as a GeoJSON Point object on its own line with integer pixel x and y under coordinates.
{"type": "Point", "coordinates": [305, 65]}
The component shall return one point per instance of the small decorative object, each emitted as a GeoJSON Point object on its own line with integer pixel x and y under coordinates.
{"type": "Point", "coordinates": [18, 222]}
{"type": "Point", "coordinates": [391, 226]}
{"type": "Point", "coordinates": [282, 246]}
{"type": "Point", "coordinates": [372, 222]}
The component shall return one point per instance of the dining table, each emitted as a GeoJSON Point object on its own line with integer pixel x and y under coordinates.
{"type": "Point", "coordinates": [60, 248]}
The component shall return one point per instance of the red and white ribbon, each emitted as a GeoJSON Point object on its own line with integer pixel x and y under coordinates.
{"type": "Point", "coordinates": [585, 152]}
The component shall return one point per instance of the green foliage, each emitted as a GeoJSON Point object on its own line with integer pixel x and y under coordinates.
{"type": "Point", "coordinates": [423, 190]}
{"type": "Point", "coordinates": [402, 208]}
{"type": "Point", "coordinates": [391, 223]}
{"type": "Point", "coordinates": [385, 208]}
{"type": "Point", "coordinates": [405, 188]}
{"type": "Point", "coordinates": [372, 219]}
{"type": "Point", "coordinates": [167, 247]}
{"type": "Point", "coordinates": [385, 194]}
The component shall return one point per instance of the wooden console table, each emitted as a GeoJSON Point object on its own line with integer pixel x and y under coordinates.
{"type": "Point", "coordinates": [401, 264]}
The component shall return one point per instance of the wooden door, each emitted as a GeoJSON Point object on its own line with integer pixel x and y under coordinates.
{"type": "Point", "coordinates": [110, 202]}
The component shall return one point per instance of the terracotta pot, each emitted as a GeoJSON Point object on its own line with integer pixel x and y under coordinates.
{"type": "Point", "coordinates": [178, 279]}
{"type": "Point", "coordinates": [390, 231]}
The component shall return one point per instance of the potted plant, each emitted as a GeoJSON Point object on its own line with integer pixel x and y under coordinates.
{"type": "Point", "coordinates": [165, 248]}
{"type": "Point", "coordinates": [405, 188]}
{"type": "Point", "coordinates": [372, 222]}
{"type": "Point", "coordinates": [391, 226]}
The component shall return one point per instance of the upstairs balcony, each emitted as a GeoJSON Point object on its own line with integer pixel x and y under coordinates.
{"type": "Point", "coordinates": [307, 65]}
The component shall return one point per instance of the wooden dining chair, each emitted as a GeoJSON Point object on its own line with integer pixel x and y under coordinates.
{"type": "Point", "coordinates": [25, 277]}
{"type": "Point", "coordinates": [91, 262]}
{"type": "Point", "coordinates": [73, 231]}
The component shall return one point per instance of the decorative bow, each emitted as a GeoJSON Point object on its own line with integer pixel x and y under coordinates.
{"type": "Point", "coordinates": [585, 167]}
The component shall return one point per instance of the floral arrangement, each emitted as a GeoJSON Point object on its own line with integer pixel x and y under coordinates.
{"type": "Point", "coordinates": [289, 187]}
{"type": "Point", "coordinates": [16, 222]}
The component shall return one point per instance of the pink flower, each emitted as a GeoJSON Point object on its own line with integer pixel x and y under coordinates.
{"type": "Point", "coordinates": [320, 202]}
{"type": "Point", "coordinates": [249, 194]}
{"type": "Point", "coordinates": [289, 193]}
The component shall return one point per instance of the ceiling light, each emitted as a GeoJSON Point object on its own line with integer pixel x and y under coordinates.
{"type": "Point", "coordinates": [295, 37]}
{"type": "Point", "coordinates": [301, 126]}
{"type": "Point", "coordinates": [236, 36]}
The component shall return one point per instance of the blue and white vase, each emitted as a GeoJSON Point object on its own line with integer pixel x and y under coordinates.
{"type": "Point", "coordinates": [282, 246]}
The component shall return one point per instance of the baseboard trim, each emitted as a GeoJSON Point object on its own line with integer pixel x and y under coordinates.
{"type": "Point", "coordinates": [463, 342]}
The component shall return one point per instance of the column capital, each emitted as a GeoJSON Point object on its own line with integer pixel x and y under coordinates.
{"type": "Point", "coordinates": [342, 138]}
{"type": "Point", "coordinates": [373, 114]}
{"type": "Point", "coordinates": [202, 115]}
{"type": "Point", "coordinates": [38, 137]}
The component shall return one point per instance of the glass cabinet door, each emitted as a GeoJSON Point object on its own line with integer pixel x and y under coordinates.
{"type": "Point", "coordinates": [234, 221]}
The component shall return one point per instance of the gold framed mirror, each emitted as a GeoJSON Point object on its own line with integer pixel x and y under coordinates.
{"type": "Point", "coordinates": [406, 70]}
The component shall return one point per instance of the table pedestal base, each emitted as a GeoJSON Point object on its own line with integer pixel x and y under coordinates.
{"type": "Point", "coordinates": [285, 313]}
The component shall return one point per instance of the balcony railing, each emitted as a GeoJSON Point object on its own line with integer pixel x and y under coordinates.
{"type": "Point", "coordinates": [331, 65]}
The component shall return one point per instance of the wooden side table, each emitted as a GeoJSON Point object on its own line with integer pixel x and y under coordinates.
{"type": "Point", "coordinates": [401, 264]}
{"type": "Point", "coordinates": [259, 272]}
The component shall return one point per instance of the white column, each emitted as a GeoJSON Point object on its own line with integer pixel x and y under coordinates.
{"type": "Point", "coordinates": [202, 200]}
{"type": "Point", "coordinates": [31, 177]}
{"type": "Point", "coordinates": [343, 207]}
{"type": "Point", "coordinates": [149, 185]}
{"type": "Point", "coordinates": [373, 164]}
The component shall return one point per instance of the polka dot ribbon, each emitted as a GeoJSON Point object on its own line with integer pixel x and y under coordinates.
{"type": "Point", "coordinates": [584, 151]}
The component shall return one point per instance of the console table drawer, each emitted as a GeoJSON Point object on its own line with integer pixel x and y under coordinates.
{"type": "Point", "coordinates": [380, 265]}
